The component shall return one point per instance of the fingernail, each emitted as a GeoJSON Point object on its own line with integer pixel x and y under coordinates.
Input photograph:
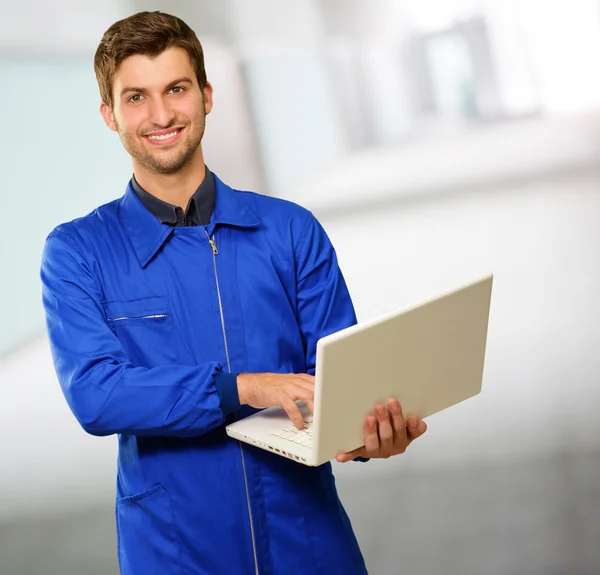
{"type": "Point", "coordinates": [371, 421]}
{"type": "Point", "coordinates": [381, 410]}
{"type": "Point", "coordinates": [412, 423]}
{"type": "Point", "coordinates": [395, 405]}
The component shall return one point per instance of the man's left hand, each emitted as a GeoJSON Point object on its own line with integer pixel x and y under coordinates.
{"type": "Point", "coordinates": [386, 433]}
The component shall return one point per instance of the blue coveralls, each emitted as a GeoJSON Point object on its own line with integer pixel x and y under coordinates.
{"type": "Point", "coordinates": [142, 319]}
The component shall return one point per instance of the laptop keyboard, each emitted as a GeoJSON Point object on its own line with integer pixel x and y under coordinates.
{"type": "Point", "coordinates": [300, 436]}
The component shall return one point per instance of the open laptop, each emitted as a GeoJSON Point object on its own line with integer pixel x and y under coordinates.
{"type": "Point", "coordinates": [429, 356]}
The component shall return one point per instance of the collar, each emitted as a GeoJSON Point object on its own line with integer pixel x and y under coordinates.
{"type": "Point", "coordinates": [148, 234]}
{"type": "Point", "coordinates": [200, 205]}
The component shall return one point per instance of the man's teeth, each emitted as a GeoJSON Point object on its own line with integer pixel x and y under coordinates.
{"type": "Point", "coordinates": [164, 137]}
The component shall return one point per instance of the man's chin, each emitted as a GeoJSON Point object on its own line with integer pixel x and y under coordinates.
{"type": "Point", "coordinates": [163, 165]}
{"type": "Point", "coordinates": [167, 160]}
{"type": "Point", "coordinates": [166, 169]}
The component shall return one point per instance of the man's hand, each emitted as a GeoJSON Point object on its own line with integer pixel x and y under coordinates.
{"type": "Point", "coordinates": [386, 433]}
{"type": "Point", "coordinates": [278, 389]}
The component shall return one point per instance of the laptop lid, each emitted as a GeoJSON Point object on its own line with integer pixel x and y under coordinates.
{"type": "Point", "coordinates": [429, 356]}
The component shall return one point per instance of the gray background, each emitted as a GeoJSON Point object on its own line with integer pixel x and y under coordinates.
{"type": "Point", "coordinates": [435, 141]}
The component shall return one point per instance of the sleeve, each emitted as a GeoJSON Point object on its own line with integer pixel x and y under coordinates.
{"type": "Point", "coordinates": [106, 393]}
{"type": "Point", "coordinates": [323, 301]}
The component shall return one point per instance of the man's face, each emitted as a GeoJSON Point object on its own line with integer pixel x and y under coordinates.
{"type": "Point", "coordinates": [159, 110]}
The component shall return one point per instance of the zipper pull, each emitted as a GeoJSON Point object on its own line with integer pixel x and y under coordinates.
{"type": "Point", "coordinates": [213, 245]}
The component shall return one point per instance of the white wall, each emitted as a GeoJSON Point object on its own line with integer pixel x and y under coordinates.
{"type": "Point", "coordinates": [58, 26]}
{"type": "Point", "coordinates": [468, 159]}
{"type": "Point", "coordinates": [63, 163]}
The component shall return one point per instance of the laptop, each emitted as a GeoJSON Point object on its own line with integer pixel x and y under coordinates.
{"type": "Point", "coordinates": [429, 356]}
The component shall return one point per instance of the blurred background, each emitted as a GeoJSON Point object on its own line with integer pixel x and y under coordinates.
{"type": "Point", "coordinates": [435, 140]}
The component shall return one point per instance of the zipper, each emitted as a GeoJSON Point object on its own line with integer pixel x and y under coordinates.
{"type": "Point", "coordinates": [215, 252]}
{"type": "Point", "coordinates": [159, 315]}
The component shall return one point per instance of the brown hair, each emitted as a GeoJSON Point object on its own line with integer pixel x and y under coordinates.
{"type": "Point", "coordinates": [145, 33]}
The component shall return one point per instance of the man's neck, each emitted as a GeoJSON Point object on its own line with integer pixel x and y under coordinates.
{"type": "Point", "coordinates": [175, 189]}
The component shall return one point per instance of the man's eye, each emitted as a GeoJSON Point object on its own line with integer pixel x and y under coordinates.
{"type": "Point", "coordinates": [135, 98]}
{"type": "Point", "coordinates": [177, 89]}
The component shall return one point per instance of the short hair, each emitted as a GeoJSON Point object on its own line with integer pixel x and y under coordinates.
{"type": "Point", "coordinates": [148, 34]}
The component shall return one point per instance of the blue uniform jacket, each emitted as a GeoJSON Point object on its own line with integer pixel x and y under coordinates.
{"type": "Point", "coordinates": [147, 325]}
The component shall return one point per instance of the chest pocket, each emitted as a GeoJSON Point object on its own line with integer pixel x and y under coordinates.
{"type": "Point", "coordinates": [145, 329]}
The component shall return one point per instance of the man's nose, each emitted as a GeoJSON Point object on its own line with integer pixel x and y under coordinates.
{"type": "Point", "coordinates": [161, 113]}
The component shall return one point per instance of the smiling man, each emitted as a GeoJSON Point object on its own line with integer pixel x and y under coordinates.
{"type": "Point", "coordinates": [184, 305]}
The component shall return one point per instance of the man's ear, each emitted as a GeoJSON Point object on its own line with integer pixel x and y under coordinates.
{"type": "Point", "coordinates": [207, 94]}
{"type": "Point", "coordinates": [108, 116]}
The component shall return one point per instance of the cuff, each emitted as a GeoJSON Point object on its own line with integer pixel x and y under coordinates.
{"type": "Point", "coordinates": [226, 384]}
{"type": "Point", "coordinates": [362, 459]}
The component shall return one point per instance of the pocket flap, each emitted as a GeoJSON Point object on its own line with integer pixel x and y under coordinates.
{"type": "Point", "coordinates": [148, 307]}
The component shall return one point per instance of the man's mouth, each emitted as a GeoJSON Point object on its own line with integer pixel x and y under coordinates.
{"type": "Point", "coordinates": [164, 137]}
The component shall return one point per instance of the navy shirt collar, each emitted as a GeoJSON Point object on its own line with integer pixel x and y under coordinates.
{"type": "Point", "coordinates": [197, 213]}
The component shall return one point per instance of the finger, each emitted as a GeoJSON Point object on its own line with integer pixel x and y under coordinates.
{"type": "Point", "coordinates": [311, 405]}
{"type": "Point", "coordinates": [293, 412]}
{"type": "Point", "coordinates": [385, 430]}
{"type": "Point", "coordinates": [398, 423]}
{"type": "Point", "coordinates": [416, 427]}
{"type": "Point", "coordinates": [299, 394]}
{"type": "Point", "coordinates": [371, 437]}
{"type": "Point", "coordinates": [344, 457]}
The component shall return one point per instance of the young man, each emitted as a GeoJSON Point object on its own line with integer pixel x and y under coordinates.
{"type": "Point", "coordinates": [184, 305]}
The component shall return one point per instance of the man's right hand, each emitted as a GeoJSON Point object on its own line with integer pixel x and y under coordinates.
{"type": "Point", "coordinates": [278, 389]}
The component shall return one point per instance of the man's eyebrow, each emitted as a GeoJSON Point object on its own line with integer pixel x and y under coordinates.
{"type": "Point", "coordinates": [183, 79]}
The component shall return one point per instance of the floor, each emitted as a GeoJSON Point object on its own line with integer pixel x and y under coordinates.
{"type": "Point", "coordinates": [535, 517]}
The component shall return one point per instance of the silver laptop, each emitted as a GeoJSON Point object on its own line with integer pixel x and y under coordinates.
{"type": "Point", "coordinates": [429, 356]}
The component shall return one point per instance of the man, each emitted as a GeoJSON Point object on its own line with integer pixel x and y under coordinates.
{"type": "Point", "coordinates": [183, 306]}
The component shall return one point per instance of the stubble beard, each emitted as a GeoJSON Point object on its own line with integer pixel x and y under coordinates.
{"type": "Point", "coordinates": [161, 162]}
